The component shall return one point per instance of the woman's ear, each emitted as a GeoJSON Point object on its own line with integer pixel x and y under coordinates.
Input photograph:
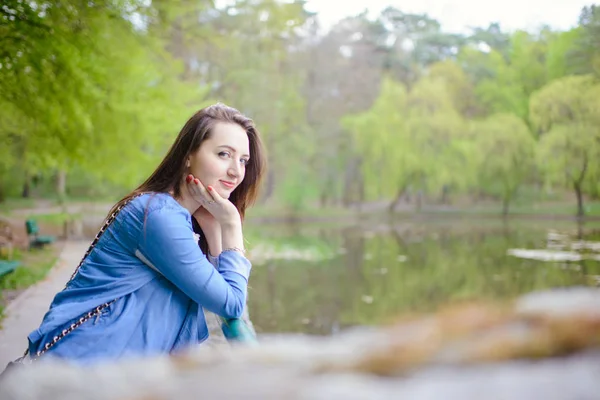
{"type": "Point", "coordinates": [187, 163]}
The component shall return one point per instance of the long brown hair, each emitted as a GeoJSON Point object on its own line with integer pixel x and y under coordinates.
{"type": "Point", "coordinates": [168, 176]}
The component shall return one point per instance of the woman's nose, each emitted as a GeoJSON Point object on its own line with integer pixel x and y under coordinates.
{"type": "Point", "coordinates": [234, 170]}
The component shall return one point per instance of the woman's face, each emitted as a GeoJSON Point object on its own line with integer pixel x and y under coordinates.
{"type": "Point", "coordinates": [221, 159]}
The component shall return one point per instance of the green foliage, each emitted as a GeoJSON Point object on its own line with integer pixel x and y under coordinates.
{"type": "Point", "coordinates": [557, 58]}
{"type": "Point", "coordinates": [566, 100]}
{"type": "Point", "coordinates": [584, 55]}
{"type": "Point", "coordinates": [502, 91]}
{"type": "Point", "coordinates": [565, 112]}
{"type": "Point", "coordinates": [87, 89]}
{"type": "Point", "coordinates": [35, 266]}
{"type": "Point", "coordinates": [417, 138]}
{"type": "Point", "coordinates": [527, 60]}
{"type": "Point", "coordinates": [381, 138]}
{"type": "Point", "coordinates": [567, 151]}
{"type": "Point", "coordinates": [94, 92]}
{"type": "Point", "coordinates": [505, 155]}
{"type": "Point", "coordinates": [496, 153]}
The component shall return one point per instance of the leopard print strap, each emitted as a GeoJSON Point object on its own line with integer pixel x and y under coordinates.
{"type": "Point", "coordinates": [96, 311]}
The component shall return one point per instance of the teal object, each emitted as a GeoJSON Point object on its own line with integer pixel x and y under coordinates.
{"type": "Point", "coordinates": [35, 239]}
{"type": "Point", "coordinates": [8, 266]}
{"type": "Point", "coordinates": [237, 330]}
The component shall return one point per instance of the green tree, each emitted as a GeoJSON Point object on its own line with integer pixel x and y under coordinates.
{"type": "Point", "coordinates": [584, 57]}
{"type": "Point", "coordinates": [439, 136]}
{"type": "Point", "coordinates": [501, 93]}
{"type": "Point", "coordinates": [565, 112]}
{"type": "Point", "coordinates": [388, 163]}
{"type": "Point", "coordinates": [505, 79]}
{"type": "Point", "coordinates": [505, 155]}
{"type": "Point", "coordinates": [460, 87]}
{"type": "Point", "coordinates": [89, 89]}
{"type": "Point", "coordinates": [411, 141]}
{"type": "Point", "coordinates": [557, 57]}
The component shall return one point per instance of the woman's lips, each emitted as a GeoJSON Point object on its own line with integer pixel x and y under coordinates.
{"type": "Point", "coordinates": [227, 184]}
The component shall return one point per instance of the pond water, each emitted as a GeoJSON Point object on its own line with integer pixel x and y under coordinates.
{"type": "Point", "coordinates": [320, 279]}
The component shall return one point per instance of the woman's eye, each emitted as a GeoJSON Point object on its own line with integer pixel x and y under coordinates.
{"type": "Point", "coordinates": [224, 154]}
{"type": "Point", "coordinates": [244, 161]}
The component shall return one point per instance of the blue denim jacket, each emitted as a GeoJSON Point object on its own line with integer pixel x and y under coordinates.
{"type": "Point", "coordinates": [150, 261]}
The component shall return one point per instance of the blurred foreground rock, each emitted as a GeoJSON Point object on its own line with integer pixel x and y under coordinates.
{"type": "Point", "coordinates": [544, 346]}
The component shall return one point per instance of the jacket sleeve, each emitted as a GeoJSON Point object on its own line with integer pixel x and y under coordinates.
{"type": "Point", "coordinates": [246, 315]}
{"type": "Point", "coordinates": [167, 245]}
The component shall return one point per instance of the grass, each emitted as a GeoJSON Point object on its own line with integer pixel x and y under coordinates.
{"type": "Point", "coordinates": [8, 205]}
{"type": "Point", "coordinates": [549, 209]}
{"type": "Point", "coordinates": [592, 209]}
{"type": "Point", "coordinates": [556, 207]}
{"type": "Point", "coordinates": [35, 265]}
{"type": "Point", "coordinates": [54, 219]}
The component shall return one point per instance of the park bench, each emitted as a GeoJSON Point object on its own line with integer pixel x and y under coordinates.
{"type": "Point", "coordinates": [7, 266]}
{"type": "Point", "coordinates": [35, 239]}
{"type": "Point", "coordinates": [6, 249]}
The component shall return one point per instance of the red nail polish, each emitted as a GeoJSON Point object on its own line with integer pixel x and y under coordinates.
{"type": "Point", "coordinates": [188, 179]}
{"type": "Point", "coordinates": [210, 188]}
{"type": "Point", "coordinates": [196, 181]}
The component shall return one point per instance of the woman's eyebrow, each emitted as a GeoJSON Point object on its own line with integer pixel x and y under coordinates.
{"type": "Point", "coordinates": [234, 150]}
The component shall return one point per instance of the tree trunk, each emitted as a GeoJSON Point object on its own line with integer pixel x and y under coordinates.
{"type": "Point", "coordinates": [419, 204]}
{"type": "Point", "coordinates": [351, 177]}
{"type": "Point", "coordinates": [26, 193]}
{"type": "Point", "coordinates": [360, 189]}
{"type": "Point", "coordinates": [577, 185]}
{"type": "Point", "coordinates": [579, 193]}
{"type": "Point", "coordinates": [323, 198]}
{"type": "Point", "coordinates": [399, 194]}
{"type": "Point", "coordinates": [27, 183]}
{"type": "Point", "coordinates": [505, 206]}
{"type": "Point", "coordinates": [444, 199]}
{"type": "Point", "coordinates": [61, 183]}
{"type": "Point", "coordinates": [509, 193]}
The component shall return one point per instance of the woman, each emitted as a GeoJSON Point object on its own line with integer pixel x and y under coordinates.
{"type": "Point", "coordinates": [142, 287]}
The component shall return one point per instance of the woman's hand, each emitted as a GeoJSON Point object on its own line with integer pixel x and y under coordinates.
{"type": "Point", "coordinates": [223, 210]}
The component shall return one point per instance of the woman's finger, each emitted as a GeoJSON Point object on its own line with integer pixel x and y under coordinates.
{"type": "Point", "coordinates": [214, 195]}
{"type": "Point", "coordinates": [197, 190]}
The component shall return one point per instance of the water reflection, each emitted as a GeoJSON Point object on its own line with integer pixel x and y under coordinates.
{"type": "Point", "coordinates": [370, 275]}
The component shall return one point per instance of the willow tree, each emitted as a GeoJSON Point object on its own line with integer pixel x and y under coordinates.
{"type": "Point", "coordinates": [411, 141]}
{"type": "Point", "coordinates": [505, 155]}
{"type": "Point", "coordinates": [439, 137]}
{"type": "Point", "coordinates": [381, 139]}
{"type": "Point", "coordinates": [566, 113]}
